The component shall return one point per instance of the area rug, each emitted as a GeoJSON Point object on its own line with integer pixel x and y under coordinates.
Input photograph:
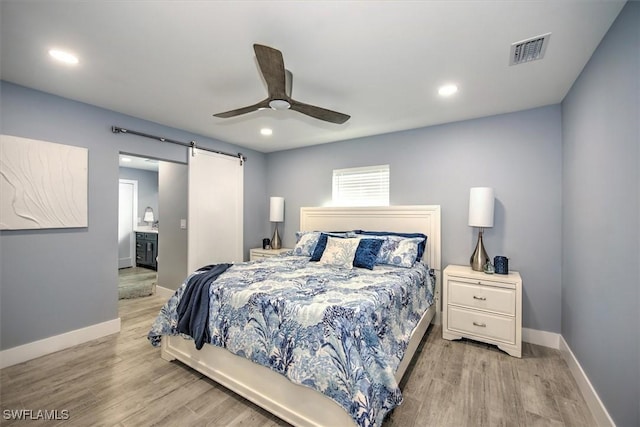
{"type": "Point", "coordinates": [136, 282]}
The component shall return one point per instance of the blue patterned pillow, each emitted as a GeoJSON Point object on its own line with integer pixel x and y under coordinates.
{"type": "Point", "coordinates": [339, 252]}
{"type": "Point", "coordinates": [399, 251]}
{"type": "Point", "coordinates": [367, 253]}
{"type": "Point", "coordinates": [306, 242]}
{"type": "Point", "coordinates": [421, 246]}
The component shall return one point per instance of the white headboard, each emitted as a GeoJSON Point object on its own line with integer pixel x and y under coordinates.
{"type": "Point", "coordinates": [422, 219]}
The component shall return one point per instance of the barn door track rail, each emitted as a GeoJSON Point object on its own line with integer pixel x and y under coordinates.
{"type": "Point", "coordinates": [191, 144]}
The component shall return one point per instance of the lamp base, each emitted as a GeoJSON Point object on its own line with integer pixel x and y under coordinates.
{"type": "Point", "coordinates": [275, 240]}
{"type": "Point", "coordinates": [479, 257]}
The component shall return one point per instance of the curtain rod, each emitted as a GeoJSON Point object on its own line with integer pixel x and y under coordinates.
{"type": "Point", "coordinates": [192, 144]}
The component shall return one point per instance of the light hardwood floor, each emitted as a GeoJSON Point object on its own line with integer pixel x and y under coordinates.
{"type": "Point", "coordinates": [120, 380]}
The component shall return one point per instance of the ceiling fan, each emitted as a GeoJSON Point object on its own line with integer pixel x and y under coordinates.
{"type": "Point", "coordinates": [279, 87]}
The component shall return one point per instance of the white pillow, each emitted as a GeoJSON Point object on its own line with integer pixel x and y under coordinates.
{"type": "Point", "coordinates": [339, 252]}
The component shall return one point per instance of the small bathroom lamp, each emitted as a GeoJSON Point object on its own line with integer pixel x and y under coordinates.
{"type": "Point", "coordinates": [148, 216]}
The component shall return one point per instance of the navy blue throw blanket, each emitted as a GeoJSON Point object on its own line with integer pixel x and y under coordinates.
{"type": "Point", "coordinates": [193, 308]}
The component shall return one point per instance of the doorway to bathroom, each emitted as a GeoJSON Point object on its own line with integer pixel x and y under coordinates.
{"type": "Point", "coordinates": [138, 220]}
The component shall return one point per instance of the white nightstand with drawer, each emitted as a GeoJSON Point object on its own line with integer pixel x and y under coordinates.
{"type": "Point", "coordinates": [259, 253]}
{"type": "Point", "coordinates": [483, 307]}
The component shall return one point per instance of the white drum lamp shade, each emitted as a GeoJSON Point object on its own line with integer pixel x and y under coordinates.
{"type": "Point", "coordinates": [276, 214]}
{"type": "Point", "coordinates": [481, 203]}
{"type": "Point", "coordinates": [276, 209]}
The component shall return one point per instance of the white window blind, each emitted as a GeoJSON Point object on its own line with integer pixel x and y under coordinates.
{"type": "Point", "coordinates": [365, 186]}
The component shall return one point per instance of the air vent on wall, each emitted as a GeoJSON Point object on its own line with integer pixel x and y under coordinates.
{"type": "Point", "coordinates": [529, 50]}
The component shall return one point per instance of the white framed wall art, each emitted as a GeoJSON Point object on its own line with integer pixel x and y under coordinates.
{"type": "Point", "coordinates": [42, 184]}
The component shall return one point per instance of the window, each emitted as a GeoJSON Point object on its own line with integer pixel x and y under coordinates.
{"type": "Point", "coordinates": [366, 186]}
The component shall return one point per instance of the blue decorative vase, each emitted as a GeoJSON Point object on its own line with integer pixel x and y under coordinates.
{"type": "Point", "coordinates": [501, 264]}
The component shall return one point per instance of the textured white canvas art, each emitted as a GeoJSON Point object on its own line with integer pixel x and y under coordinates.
{"type": "Point", "coordinates": [42, 184]}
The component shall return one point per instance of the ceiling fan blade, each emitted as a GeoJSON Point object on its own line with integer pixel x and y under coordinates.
{"type": "Point", "coordinates": [272, 67]}
{"type": "Point", "coordinates": [244, 110]}
{"type": "Point", "coordinates": [319, 113]}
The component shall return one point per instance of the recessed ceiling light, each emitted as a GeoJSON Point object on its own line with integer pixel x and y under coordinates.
{"type": "Point", "coordinates": [63, 56]}
{"type": "Point", "coordinates": [266, 131]}
{"type": "Point", "coordinates": [447, 90]}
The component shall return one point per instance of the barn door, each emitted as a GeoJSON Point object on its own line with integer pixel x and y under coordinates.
{"type": "Point", "coordinates": [215, 218]}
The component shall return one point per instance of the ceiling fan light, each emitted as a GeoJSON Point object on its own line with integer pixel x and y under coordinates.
{"type": "Point", "coordinates": [279, 104]}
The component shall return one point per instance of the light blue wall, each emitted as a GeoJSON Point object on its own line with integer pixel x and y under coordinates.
{"type": "Point", "coordinates": [55, 281]}
{"type": "Point", "coordinates": [601, 280]}
{"type": "Point", "coordinates": [147, 190]}
{"type": "Point", "coordinates": [517, 154]}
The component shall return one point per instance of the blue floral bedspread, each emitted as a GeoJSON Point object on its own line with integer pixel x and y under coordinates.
{"type": "Point", "coordinates": [340, 331]}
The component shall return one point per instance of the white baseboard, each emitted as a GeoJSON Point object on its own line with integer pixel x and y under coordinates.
{"type": "Point", "coordinates": [164, 292]}
{"type": "Point", "coordinates": [543, 338]}
{"type": "Point", "coordinates": [598, 410]}
{"type": "Point", "coordinates": [22, 353]}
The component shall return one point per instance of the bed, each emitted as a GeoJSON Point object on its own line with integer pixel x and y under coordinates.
{"type": "Point", "coordinates": [300, 404]}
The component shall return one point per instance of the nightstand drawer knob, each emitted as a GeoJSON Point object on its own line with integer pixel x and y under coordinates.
{"type": "Point", "coordinates": [480, 298]}
{"type": "Point", "coordinates": [482, 325]}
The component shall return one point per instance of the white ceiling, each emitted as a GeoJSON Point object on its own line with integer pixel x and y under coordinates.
{"type": "Point", "coordinates": [135, 162]}
{"type": "Point", "coordinates": [179, 62]}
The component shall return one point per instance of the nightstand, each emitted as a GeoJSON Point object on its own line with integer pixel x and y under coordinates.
{"type": "Point", "coordinates": [483, 307]}
{"type": "Point", "coordinates": [259, 253]}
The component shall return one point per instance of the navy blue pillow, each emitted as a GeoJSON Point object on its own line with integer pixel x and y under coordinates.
{"type": "Point", "coordinates": [367, 253]}
{"type": "Point", "coordinates": [421, 246]}
{"type": "Point", "coordinates": [319, 249]}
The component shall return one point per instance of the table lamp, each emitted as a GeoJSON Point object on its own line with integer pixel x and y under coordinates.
{"type": "Point", "coordinates": [481, 201]}
{"type": "Point", "coordinates": [148, 216]}
{"type": "Point", "coordinates": [276, 214]}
